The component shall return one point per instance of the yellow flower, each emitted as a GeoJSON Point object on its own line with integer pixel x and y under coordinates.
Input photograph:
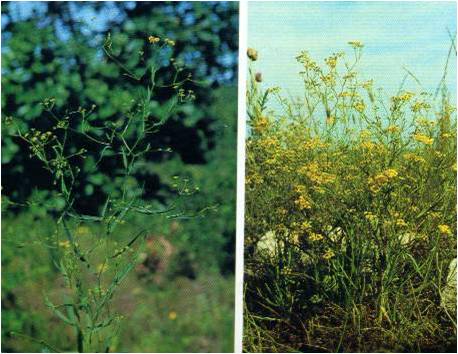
{"type": "Point", "coordinates": [368, 84]}
{"type": "Point", "coordinates": [315, 237]}
{"type": "Point", "coordinates": [64, 244]}
{"type": "Point", "coordinates": [331, 61]}
{"type": "Point", "coordinates": [370, 216]}
{"type": "Point", "coordinates": [390, 173]}
{"type": "Point", "coordinates": [102, 267]}
{"type": "Point", "coordinates": [365, 134]}
{"type": "Point", "coordinates": [287, 271]}
{"type": "Point", "coordinates": [368, 145]}
{"type": "Point", "coordinates": [328, 254]}
{"type": "Point", "coordinates": [401, 223]}
{"type": "Point", "coordinates": [169, 42]}
{"type": "Point", "coordinates": [445, 229]}
{"type": "Point", "coordinates": [349, 76]}
{"type": "Point", "coordinates": [309, 63]}
{"type": "Point", "coordinates": [348, 94]}
{"type": "Point", "coordinates": [404, 97]}
{"type": "Point", "coordinates": [356, 44]}
{"type": "Point", "coordinates": [303, 202]}
{"type": "Point", "coordinates": [306, 225]}
{"type": "Point", "coordinates": [423, 139]}
{"type": "Point", "coordinates": [414, 158]}
{"type": "Point", "coordinates": [378, 181]}
{"type": "Point", "coordinates": [313, 144]}
{"type": "Point", "coordinates": [172, 315]}
{"type": "Point", "coordinates": [330, 120]}
{"type": "Point", "coordinates": [328, 79]}
{"type": "Point", "coordinates": [439, 154]}
{"type": "Point", "coordinates": [425, 123]}
{"type": "Point", "coordinates": [269, 143]}
{"type": "Point", "coordinates": [312, 172]}
{"type": "Point", "coordinates": [360, 106]}
{"type": "Point", "coordinates": [153, 39]}
{"type": "Point", "coordinates": [393, 129]}
{"type": "Point", "coordinates": [418, 106]}
{"type": "Point", "coordinates": [274, 90]}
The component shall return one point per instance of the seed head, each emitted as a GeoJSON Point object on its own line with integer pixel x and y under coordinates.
{"type": "Point", "coordinates": [252, 54]}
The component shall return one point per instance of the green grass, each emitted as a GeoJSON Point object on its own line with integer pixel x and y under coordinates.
{"type": "Point", "coordinates": [178, 314]}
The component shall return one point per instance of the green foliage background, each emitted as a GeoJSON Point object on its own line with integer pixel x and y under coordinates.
{"type": "Point", "coordinates": [63, 59]}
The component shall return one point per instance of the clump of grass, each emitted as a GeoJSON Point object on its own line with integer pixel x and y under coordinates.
{"type": "Point", "coordinates": [93, 265]}
{"type": "Point", "coordinates": [350, 214]}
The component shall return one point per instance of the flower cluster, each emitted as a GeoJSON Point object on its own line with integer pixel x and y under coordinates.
{"type": "Point", "coordinates": [380, 180]}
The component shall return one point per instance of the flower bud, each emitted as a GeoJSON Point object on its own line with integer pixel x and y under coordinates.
{"type": "Point", "coordinates": [252, 54]}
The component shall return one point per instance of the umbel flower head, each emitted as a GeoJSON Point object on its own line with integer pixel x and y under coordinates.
{"type": "Point", "coordinates": [153, 39]}
{"type": "Point", "coordinates": [252, 54]}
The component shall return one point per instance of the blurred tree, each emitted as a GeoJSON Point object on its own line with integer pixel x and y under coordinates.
{"type": "Point", "coordinates": [215, 233]}
{"type": "Point", "coordinates": [54, 49]}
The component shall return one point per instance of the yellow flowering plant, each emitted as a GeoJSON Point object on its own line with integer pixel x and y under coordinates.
{"type": "Point", "coordinates": [356, 192]}
{"type": "Point", "coordinates": [92, 258]}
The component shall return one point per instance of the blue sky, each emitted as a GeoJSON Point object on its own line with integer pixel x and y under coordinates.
{"type": "Point", "coordinates": [395, 34]}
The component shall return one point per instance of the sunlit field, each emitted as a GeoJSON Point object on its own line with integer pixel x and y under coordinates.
{"type": "Point", "coordinates": [350, 229]}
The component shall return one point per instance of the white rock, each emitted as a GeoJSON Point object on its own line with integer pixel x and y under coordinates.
{"type": "Point", "coordinates": [448, 295]}
{"type": "Point", "coordinates": [407, 237]}
{"type": "Point", "coordinates": [268, 244]}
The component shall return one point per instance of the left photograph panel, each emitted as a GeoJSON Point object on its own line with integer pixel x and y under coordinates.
{"type": "Point", "coordinates": [118, 151]}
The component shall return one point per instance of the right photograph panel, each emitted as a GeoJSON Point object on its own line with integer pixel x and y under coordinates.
{"type": "Point", "coordinates": [350, 215]}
